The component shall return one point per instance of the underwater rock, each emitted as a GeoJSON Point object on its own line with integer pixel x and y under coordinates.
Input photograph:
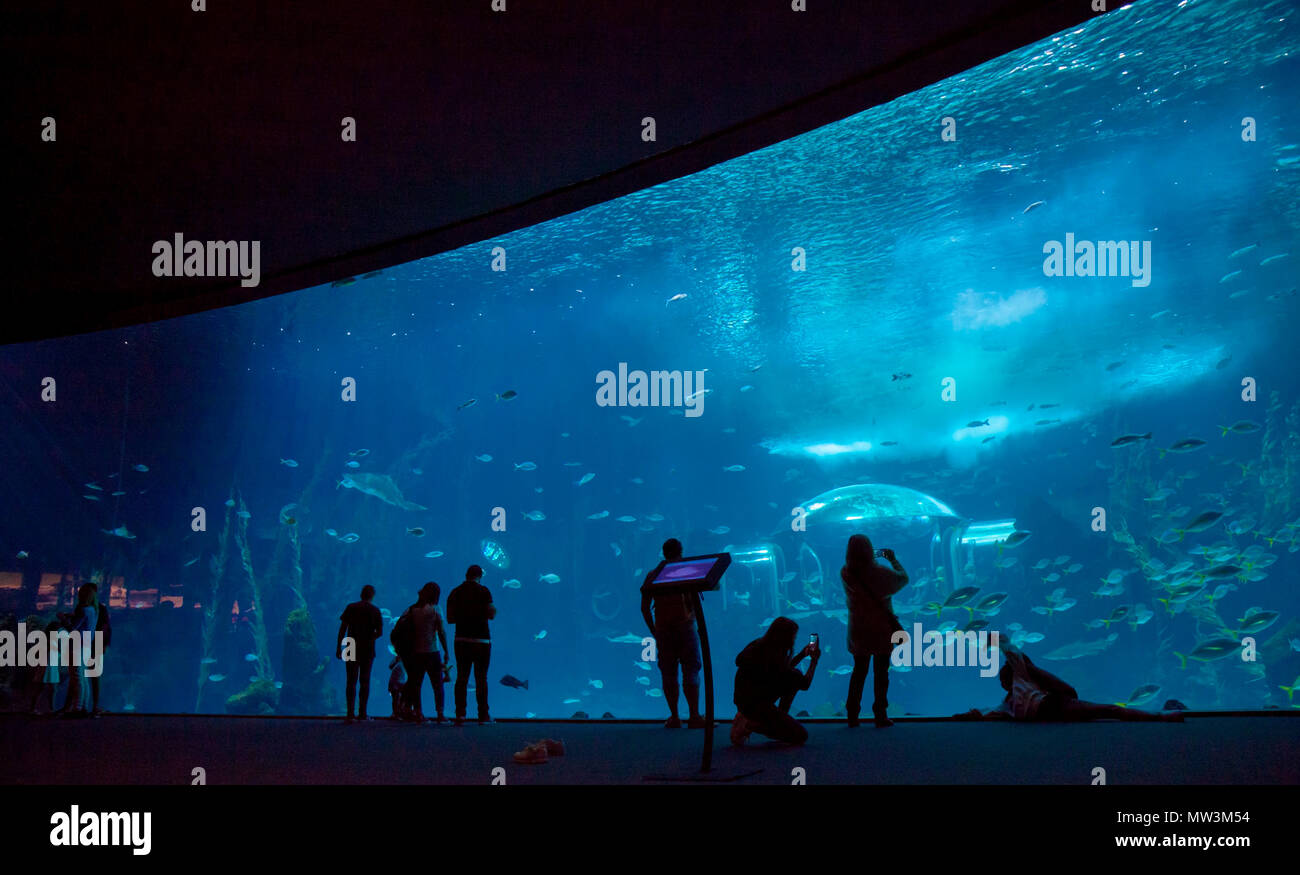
{"type": "Point", "coordinates": [302, 670]}
{"type": "Point", "coordinates": [259, 697]}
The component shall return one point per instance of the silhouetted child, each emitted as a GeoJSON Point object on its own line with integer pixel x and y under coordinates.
{"type": "Point", "coordinates": [396, 682]}
{"type": "Point", "coordinates": [47, 677]}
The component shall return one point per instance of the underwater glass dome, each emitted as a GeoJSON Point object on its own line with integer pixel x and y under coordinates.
{"type": "Point", "coordinates": [1055, 293]}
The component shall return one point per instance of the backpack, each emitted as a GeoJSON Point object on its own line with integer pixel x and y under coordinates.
{"type": "Point", "coordinates": [403, 635]}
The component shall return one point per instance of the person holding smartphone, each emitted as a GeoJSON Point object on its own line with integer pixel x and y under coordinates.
{"type": "Point", "coordinates": [869, 588]}
{"type": "Point", "coordinates": [767, 679]}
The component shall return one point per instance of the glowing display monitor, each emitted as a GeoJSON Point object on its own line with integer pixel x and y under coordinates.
{"type": "Point", "coordinates": [694, 574]}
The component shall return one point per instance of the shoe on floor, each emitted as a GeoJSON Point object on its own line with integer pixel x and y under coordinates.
{"type": "Point", "coordinates": [696, 722]}
{"type": "Point", "coordinates": [673, 723]}
{"type": "Point", "coordinates": [554, 748]}
{"type": "Point", "coordinates": [883, 722]}
{"type": "Point", "coordinates": [854, 722]}
{"type": "Point", "coordinates": [532, 754]}
{"type": "Point", "coordinates": [740, 730]}
{"type": "Point", "coordinates": [459, 721]}
{"type": "Point", "coordinates": [484, 721]}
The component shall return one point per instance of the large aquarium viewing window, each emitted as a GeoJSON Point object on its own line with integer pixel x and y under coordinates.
{"type": "Point", "coordinates": [1031, 328]}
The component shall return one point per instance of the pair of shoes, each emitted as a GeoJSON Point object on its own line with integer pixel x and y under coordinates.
{"type": "Point", "coordinates": [483, 721]}
{"type": "Point", "coordinates": [854, 722]}
{"type": "Point", "coordinates": [100, 712]}
{"type": "Point", "coordinates": [460, 721]}
{"type": "Point", "coordinates": [532, 754]}
{"type": "Point", "coordinates": [696, 722]}
{"type": "Point", "coordinates": [673, 723]}
{"type": "Point", "coordinates": [740, 730]}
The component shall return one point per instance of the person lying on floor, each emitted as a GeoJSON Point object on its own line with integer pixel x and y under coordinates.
{"type": "Point", "coordinates": [1035, 694]}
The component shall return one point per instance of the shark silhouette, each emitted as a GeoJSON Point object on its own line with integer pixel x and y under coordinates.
{"type": "Point", "coordinates": [381, 486]}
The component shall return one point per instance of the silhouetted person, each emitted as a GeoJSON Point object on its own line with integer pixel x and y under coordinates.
{"type": "Point", "coordinates": [677, 641]}
{"type": "Point", "coordinates": [868, 589]}
{"type": "Point", "coordinates": [469, 607]}
{"type": "Point", "coordinates": [104, 625]}
{"type": "Point", "coordinates": [362, 622]}
{"type": "Point", "coordinates": [78, 700]}
{"type": "Point", "coordinates": [1035, 694]}
{"type": "Point", "coordinates": [47, 676]}
{"type": "Point", "coordinates": [767, 672]}
{"type": "Point", "coordinates": [427, 630]}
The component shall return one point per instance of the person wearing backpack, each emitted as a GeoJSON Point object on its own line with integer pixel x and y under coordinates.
{"type": "Point", "coordinates": [402, 665]}
{"type": "Point", "coordinates": [427, 631]}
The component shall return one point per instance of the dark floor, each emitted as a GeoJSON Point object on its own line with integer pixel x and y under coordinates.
{"type": "Point", "coordinates": [165, 749]}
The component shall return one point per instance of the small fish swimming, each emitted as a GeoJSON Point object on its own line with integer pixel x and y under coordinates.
{"type": "Point", "coordinates": [680, 296]}
{"type": "Point", "coordinates": [143, 469]}
{"type": "Point", "coordinates": [618, 551]}
{"type": "Point", "coordinates": [433, 554]}
{"type": "Point", "coordinates": [507, 395]}
{"type": "Point", "coordinates": [1034, 205]}
{"type": "Point", "coordinates": [119, 532]}
{"type": "Point", "coordinates": [1125, 440]}
{"type": "Point", "coordinates": [540, 635]}
{"type": "Point", "coordinates": [359, 454]}
{"type": "Point", "coordinates": [1274, 258]}
{"type": "Point", "coordinates": [734, 468]}
{"type": "Point", "coordinates": [350, 538]}
{"type": "Point", "coordinates": [333, 533]}
{"type": "Point", "coordinates": [626, 519]}
{"type": "Point", "coordinates": [289, 463]}
{"type": "Point", "coordinates": [118, 493]}
{"type": "Point", "coordinates": [598, 684]}
{"type": "Point", "coordinates": [598, 515]}
{"type": "Point", "coordinates": [417, 532]}
{"type": "Point", "coordinates": [485, 457]}
{"type": "Point", "coordinates": [216, 678]}
{"type": "Point", "coordinates": [512, 583]}
{"type": "Point", "coordinates": [1115, 365]}
{"type": "Point", "coordinates": [1242, 426]}
{"type": "Point", "coordinates": [95, 486]}
{"type": "Point", "coordinates": [632, 421]}
{"type": "Point", "coordinates": [1237, 253]}
{"type": "Point", "coordinates": [90, 497]}
{"type": "Point", "coordinates": [719, 530]}
{"type": "Point", "coordinates": [22, 554]}
{"type": "Point", "coordinates": [584, 479]}
{"type": "Point", "coordinates": [470, 403]}
{"type": "Point", "coordinates": [535, 515]}
{"type": "Point", "coordinates": [1186, 445]}
{"type": "Point", "coordinates": [525, 466]}
{"type": "Point", "coordinates": [1229, 276]}
{"type": "Point", "coordinates": [352, 463]}
{"type": "Point", "coordinates": [512, 681]}
{"type": "Point", "coordinates": [900, 377]}
{"type": "Point", "coordinates": [549, 577]}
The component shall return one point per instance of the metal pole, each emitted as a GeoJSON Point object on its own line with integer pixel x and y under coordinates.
{"type": "Point", "coordinates": [708, 682]}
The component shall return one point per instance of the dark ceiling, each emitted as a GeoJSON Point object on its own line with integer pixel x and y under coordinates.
{"type": "Point", "coordinates": [225, 124]}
